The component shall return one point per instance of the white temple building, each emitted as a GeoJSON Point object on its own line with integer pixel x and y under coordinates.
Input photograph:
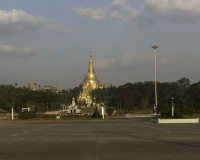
{"type": "Point", "coordinates": [72, 108]}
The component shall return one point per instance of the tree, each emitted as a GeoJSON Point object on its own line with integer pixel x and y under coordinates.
{"type": "Point", "coordinates": [184, 82]}
{"type": "Point", "coordinates": [16, 85]}
{"type": "Point", "coordinates": [144, 102]}
{"type": "Point", "coordinates": [163, 108]}
{"type": "Point", "coordinates": [187, 108]}
{"type": "Point", "coordinates": [3, 103]}
{"type": "Point", "coordinates": [193, 94]}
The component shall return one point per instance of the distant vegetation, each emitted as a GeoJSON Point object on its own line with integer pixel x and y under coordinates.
{"type": "Point", "coordinates": [128, 97]}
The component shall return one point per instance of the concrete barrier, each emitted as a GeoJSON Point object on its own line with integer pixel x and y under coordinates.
{"type": "Point", "coordinates": [194, 120]}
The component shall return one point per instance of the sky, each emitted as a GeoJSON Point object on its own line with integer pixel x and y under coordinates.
{"type": "Point", "coordinates": [50, 41]}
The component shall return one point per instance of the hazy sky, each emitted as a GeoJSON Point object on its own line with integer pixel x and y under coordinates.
{"type": "Point", "coordinates": [50, 41]}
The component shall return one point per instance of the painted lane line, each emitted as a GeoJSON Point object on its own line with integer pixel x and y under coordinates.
{"type": "Point", "coordinates": [14, 135]}
{"type": "Point", "coordinates": [26, 132]}
{"type": "Point", "coordinates": [12, 142]}
{"type": "Point", "coordinates": [167, 131]}
{"type": "Point", "coordinates": [43, 142]}
{"type": "Point", "coordinates": [27, 142]}
{"type": "Point", "coordinates": [35, 130]}
{"type": "Point", "coordinates": [3, 141]}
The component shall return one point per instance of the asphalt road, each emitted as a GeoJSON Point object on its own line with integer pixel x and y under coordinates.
{"type": "Point", "coordinates": [98, 140]}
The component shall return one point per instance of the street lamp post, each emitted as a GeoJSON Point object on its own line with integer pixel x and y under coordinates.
{"type": "Point", "coordinates": [155, 107]}
{"type": "Point", "coordinates": [172, 107]}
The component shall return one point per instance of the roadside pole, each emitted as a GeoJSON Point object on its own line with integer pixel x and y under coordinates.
{"type": "Point", "coordinates": [12, 113]}
{"type": "Point", "coordinates": [102, 111]}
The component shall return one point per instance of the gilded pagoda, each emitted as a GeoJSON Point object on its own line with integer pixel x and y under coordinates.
{"type": "Point", "coordinates": [90, 82]}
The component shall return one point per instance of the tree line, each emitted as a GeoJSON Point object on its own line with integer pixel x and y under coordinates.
{"type": "Point", "coordinates": [130, 96]}
{"type": "Point", "coordinates": [141, 96]}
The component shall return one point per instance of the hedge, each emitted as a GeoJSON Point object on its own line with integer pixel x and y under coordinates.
{"type": "Point", "coordinates": [27, 115]}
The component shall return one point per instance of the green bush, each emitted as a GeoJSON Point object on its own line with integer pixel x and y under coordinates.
{"type": "Point", "coordinates": [96, 114]}
{"type": "Point", "coordinates": [27, 115]}
{"type": "Point", "coordinates": [120, 112]}
{"type": "Point", "coordinates": [22, 115]}
{"type": "Point", "coordinates": [32, 114]}
{"type": "Point", "coordinates": [109, 110]}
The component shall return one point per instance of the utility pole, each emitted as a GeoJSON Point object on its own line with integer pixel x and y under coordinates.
{"type": "Point", "coordinates": [172, 107]}
{"type": "Point", "coordinates": [155, 107]}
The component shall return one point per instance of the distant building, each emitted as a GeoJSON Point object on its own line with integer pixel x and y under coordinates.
{"type": "Point", "coordinates": [45, 88]}
{"type": "Point", "coordinates": [32, 87]}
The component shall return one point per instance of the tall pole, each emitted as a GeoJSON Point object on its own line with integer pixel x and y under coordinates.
{"type": "Point", "coordinates": [155, 107]}
{"type": "Point", "coordinates": [172, 107]}
{"type": "Point", "coordinates": [12, 113]}
{"type": "Point", "coordinates": [102, 111]}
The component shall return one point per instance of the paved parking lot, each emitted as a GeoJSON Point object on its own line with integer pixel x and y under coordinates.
{"type": "Point", "coordinates": [96, 140]}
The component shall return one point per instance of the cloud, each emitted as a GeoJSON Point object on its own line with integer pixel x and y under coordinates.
{"type": "Point", "coordinates": [121, 4]}
{"type": "Point", "coordinates": [7, 51]}
{"type": "Point", "coordinates": [118, 10]}
{"type": "Point", "coordinates": [17, 22]}
{"type": "Point", "coordinates": [145, 61]}
{"type": "Point", "coordinates": [171, 10]}
{"type": "Point", "coordinates": [124, 61]}
{"type": "Point", "coordinates": [149, 12]}
{"type": "Point", "coordinates": [57, 29]}
{"type": "Point", "coordinates": [94, 14]}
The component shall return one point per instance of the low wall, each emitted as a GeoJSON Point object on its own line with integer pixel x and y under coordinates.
{"type": "Point", "coordinates": [194, 120]}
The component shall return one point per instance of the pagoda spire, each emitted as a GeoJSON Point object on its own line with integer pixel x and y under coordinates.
{"type": "Point", "coordinates": [90, 76]}
{"type": "Point", "coordinates": [91, 67]}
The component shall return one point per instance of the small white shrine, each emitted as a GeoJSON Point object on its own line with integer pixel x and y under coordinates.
{"type": "Point", "coordinates": [73, 108]}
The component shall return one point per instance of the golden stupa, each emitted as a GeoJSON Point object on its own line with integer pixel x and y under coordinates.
{"type": "Point", "coordinates": [90, 78]}
{"type": "Point", "coordinates": [90, 82]}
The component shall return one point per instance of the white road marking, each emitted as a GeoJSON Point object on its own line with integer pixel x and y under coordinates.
{"type": "Point", "coordinates": [42, 142]}
{"type": "Point", "coordinates": [167, 131]}
{"type": "Point", "coordinates": [27, 142]}
{"type": "Point", "coordinates": [31, 131]}
{"type": "Point", "coordinates": [2, 140]}
{"type": "Point", "coordinates": [14, 135]}
{"type": "Point", "coordinates": [12, 142]}
{"type": "Point", "coordinates": [26, 132]}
